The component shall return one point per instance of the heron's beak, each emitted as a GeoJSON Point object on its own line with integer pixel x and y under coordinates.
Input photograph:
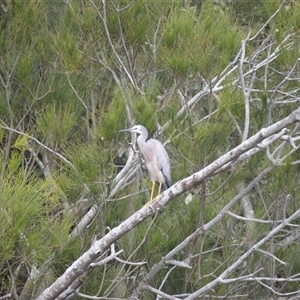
{"type": "Point", "coordinates": [123, 130]}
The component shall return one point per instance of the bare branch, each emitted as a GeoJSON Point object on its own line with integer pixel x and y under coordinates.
{"type": "Point", "coordinates": [272, 256]}
{"type": "Point", "coordinates": [201, 292]}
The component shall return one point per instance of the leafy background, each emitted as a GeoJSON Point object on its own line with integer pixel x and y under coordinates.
{"type": "Point", "coordinates": [73, 73]}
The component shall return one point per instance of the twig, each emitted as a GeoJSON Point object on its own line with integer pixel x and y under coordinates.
{"type": "Point", "coordinates": [40, 143]}
{"type": "Point", "coordinates": [252, 220]}
{"type": "Point", "coordinates": [272, 256]}
{"type": "Point", "coordinates": [162, 294]}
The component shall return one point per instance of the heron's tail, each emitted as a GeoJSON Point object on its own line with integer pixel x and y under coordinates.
{"type": "Point", "coordinates": [166, 185]}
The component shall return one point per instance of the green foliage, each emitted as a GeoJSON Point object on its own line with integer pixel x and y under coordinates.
{"type": "Point", "coordinates": [14, 162]}
{"type": "Point", "coordinates": [179, 37]}
{"type": "Point", "coordinates": [21, 142]}
{"type": "Point", "coordinates": [233, 102]}
{"type": "Point", "coordinates": [288, 17]}
{"type": "Point", "coordinates": [28, 229]}
{"type": "Point", "coordinates": [112, 117]}
{"type": "Point", "coordinates": [65, 48]}
{"type": "Point", "coordinates": [211, 137]}
{"type": "Point", "coordinates": [146, 112]}
{"type": "Point", "coordinates": [65, 36]}
{"type": "Point", "coordinates": [27, 19]}
{"type": "Point", "coordinates": [1, 134]}
{"type": "Point", "coordinates": [56, 123]}
{"type": "Point", "coordinates": [289, 253]}
{"type": "Point", "coordinates": [25, 67]}
{"type": "Point", "coordinates": [249, 13]}
{"type": "Point", "coordinates": [193, 43]}
{"type": "Point", "coordinates": [139, 21]}
{"type": "Point", "coordinates": [91, 163]}
{"type": "Point", "coordinates": [287, 21]}
{"type": "Point", "coordinates": [136, 17]}
{"type": "Point", "coordinates": [73, 73]}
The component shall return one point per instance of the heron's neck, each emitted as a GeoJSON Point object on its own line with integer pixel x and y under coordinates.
{"type": "Point", "coordinates": [142, 139]}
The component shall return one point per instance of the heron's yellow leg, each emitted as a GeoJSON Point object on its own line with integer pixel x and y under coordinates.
{"type": "Point", "coordinates": [152, 191]}
{"type": "Point", "coordinates": [159, 189]}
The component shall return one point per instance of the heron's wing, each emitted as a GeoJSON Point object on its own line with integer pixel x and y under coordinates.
{"type": "Point", "coordinates": [163, 162]}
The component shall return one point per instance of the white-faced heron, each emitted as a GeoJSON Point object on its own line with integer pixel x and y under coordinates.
{"type": "Point", "coordinates": [156, 159]}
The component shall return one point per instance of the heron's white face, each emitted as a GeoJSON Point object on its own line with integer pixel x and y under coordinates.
{"type": "Point", "coordinates": [137, 129]}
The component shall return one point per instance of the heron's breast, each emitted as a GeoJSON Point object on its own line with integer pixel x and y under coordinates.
{"type": "Point", "coordinates": [155, 173]}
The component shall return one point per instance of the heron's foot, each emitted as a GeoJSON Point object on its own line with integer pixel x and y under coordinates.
{"type": "Point", "coordinates": [150, 201]}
